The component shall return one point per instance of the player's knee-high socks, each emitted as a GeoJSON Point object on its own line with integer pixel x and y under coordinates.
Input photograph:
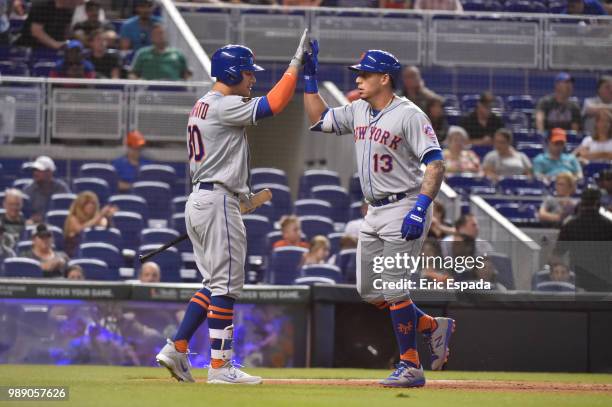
{"type": "Point", "coordinates": [426, 324]}
{"type": "Point", "coordinates": [404, 318]}
{"type": "Point", "coordinates": [220, 319]}
{"type": "Point", "coordinates": [194, 316]}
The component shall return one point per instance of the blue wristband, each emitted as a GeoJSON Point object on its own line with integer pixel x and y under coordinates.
{"type": "Point", "coordinates": [423, 201]}
{"type": "Point", "coordinates": [310, 84]}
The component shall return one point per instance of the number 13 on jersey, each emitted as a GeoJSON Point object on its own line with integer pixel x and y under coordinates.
{"type": "Point", "coordinates": [196, 145]}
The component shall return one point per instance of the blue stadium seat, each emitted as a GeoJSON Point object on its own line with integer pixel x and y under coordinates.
{"type": "Point", "coordinates": [100, 170]}
{"type": "Point", "coordinates": [97, 185]}
{"type": "Point", "coordinates": [522, 103]}
{"type": "Point", "coordinates": [95, 269]}
{"type": "Point", "coordinates": [42, 69]}
{"type": "Point", "coordinates": [557, 6]}
{"type": "Point", "coordinates": [267, 210]}
{"type": "Point", "coordinates": [474, 5]}
{"type": "Point", "coordinates": [531, 150]}
{"type": "Point", "coordinates": [105, 235]}
{"type": "Point", "coordinates": [316, 225]}
{"type": "Point", "coordinates": [521, 185]}
{"type": "Point", "coordinates": [453, 117]}
{"type": "Point", "coordinates": [9, 68]}
{"type": "Point", "coordinates": [334, 242]}
{"type": "Point", "coordinates": [544, 275]}
{"type": "Point", "coordinates": [22, 183]}
{"type": "Point", "coordinates": [177, 222]}
{"type": "Point", "coordinates": [595, 167]}
{"type": "Point", "coordinates": [464, 182]}
{"type": "Point", "coordinates": [131, 203]}
{"type": "Point", "coordinates": [22, 267]}
{"type": "Point", "coordinates": [503, 265]}
{"type": "Point", "coordinates": [481, 151]}
{"type": "Point", "coordinates": [524, 6]}
{"type": "Point", "coordinates": [319, 273]}
{"type": "Point", "coordinates": [157, 195]}
{"type": "Point", "coordinates": [337, 197]}
{"type": "Point", "coordinates": [257, 228]}
{"type": "Point", "coordinates": [346, 260]}
{"type": "Point", "coordinates": [157, 235]}
{"type": "Point", "coordinates": [62, 201]}
{"type": "Point", "coordinates": [468, 102]}
{"type": "Point", "coordinates": [272, 238]}
{"type": "Point", "coordinates": [268, 176]}
{"type": "Point", "coordinates": [178, 204]}
{"type": "Point", "coordinates": [313, 178]}
{"type": "Point", "coordinates": [355, 192]}
{"type": "Point", "coordinates": [129, 224]}
{"type": "Point", "coordinates": [56, 217]}
{"type": "Point", "coordinates": [517, 213]}
{"type": "Point", "coordinates": [284, 265]}
{"type": "Point", "coordinates": [281, 199]}
{"type": "Point", "coordinates": [451, 101]}
{"type": "Point", "coordinates": [102, 251]}
{"type": "Point", "coordinates": [169, 262]}
{"type": "Point", "coordinates": [157, 172]}
{"type": "Point", "coordinates": [556, 286]}
{"type": "Point", "coordinates": [525, 137]}
{"type": "Point", "coordinates": [355, 211]}
{"type": "Point", "coordinates": [23, 247]}
{"type": "Point", "coordinates": [312, 207]}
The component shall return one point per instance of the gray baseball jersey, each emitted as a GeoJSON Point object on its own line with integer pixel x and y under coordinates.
{"type": "Point", "coordinates": [217, 142]}
{"type": "Point", "coordinates": [389, 146]}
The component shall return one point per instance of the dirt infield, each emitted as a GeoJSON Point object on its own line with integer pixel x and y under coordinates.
{"type": "Point", "coordinates": [476, 385]}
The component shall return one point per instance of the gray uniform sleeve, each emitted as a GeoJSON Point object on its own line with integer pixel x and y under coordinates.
{"type": "Point", "coordinates": [237, 110]}
{"type": "Point", "coordinates": [420, 135]}
{"type": "Point", "coordinates": [338, 120]}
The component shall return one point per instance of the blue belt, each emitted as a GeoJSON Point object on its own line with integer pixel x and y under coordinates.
{"type": "Point", "coordinates": [388, 200]}
{"type": "Point", "coordinates": [210, 186]}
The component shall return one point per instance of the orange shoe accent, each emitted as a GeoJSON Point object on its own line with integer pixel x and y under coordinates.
{"type": "Point", "coordinates": [400, 305]}
{"type": "Point", "coordinates": [427, 323]}
{"type": "Point", "coordinates": [202, 297]}
{"type": "Point", "coordinates": [181, 345]}
{"type": "Point", "coordinates": [219, 309]}
{"type": "Point", "coordinates": [412, 356]}
{"type": "Point", "coordinates": [200, 303]}
{"type": "Point", "coordinates": [217, 363]}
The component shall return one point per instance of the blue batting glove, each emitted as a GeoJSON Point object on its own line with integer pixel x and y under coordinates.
{"type": "Point", "coordinates": [311, 65]}
{"type": "Point", "coordinates": [412, 228]}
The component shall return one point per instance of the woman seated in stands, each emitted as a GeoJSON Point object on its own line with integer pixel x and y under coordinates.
{"type": "Point", "coordinates": [434, 109]}
{"type": "Point", "coordinates": [84, 213]}
{"type": "Point", "coordinates": [292, 232]}
{"type": "Point", "coordinates": [599, 145]}
{"type": "Point", "coordinates": [556, 208]}
{"type": "Point", "coordinates": [504, 160]}
{"type": "Point", "coordinates": [457, 156]}
{"type": "Point", "coordinates": [53, 263]}
{"type": "Point", "coordinates": [319, 251]}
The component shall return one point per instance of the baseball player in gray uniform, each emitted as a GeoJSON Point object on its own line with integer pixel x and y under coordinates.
{"type": "Point", "coordinates": [219, 166]}
{"type": "Point", "coordinates": [393, 138]}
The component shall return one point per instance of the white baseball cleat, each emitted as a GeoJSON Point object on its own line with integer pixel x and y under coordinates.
{"type": "Point", "coordinates": [438, 342]}
{"type": "Point", "coordinates": [405, 376]}
{"type": "Point", "coordinates": [176, 362]}
{"type": "Point", "coordinates": [229, 374]}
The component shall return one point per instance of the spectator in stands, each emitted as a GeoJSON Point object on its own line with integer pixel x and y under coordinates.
{"type": "Point", "coordinates": [547, 165]}
{"type": "Point", "coordinates": [560, 272]}
{"type": "Point", "coordinates": [414, 87]}
{"type": "Point", "coordinates": [318, 253]}
{"type": "Point", "coordinates": [434, 109]}
{"type": "Point", "coordinates": [43, 187]}
{"type": "Point", "coordinates": [488, 273]}
{"type": "Point", "coordinates": [128, 165]}
{"type": "Point", "coordinates": [604, 181]}
{"type": "Point", "coordinates": [556, 109]}
{"type": "Point", "coordinates": [73, 64]}
{"type": "Point", "coordinates": [53, 263]}
{"type": "Point", "coordinates": [482, 123]}
{"type": "Point", "coordinates": [466, 225]}
{"type": "Point", "coordinates": [292, 233]}
{"type": "Point", "coordinates": [93, 22]}
{"type": "Point", "coordinates": [158, 61]}
{"type": "Point", "coordinates": [12, 219]}
{"type": "Point", "coordinates": [47, 25]}
{"type": "Point", "coordinates": [555, 209]}
{"type": "Point", "coordinates": [445, 5]}
{"type": "Point", "coordinates": [6, 245]}
{"type": "Point", "coordinates": [504, 160]}
{"type": "Point", "coordinates": [136, 31]}
{"type": "Point", "coordinates": [602, 101]}
{"type": "Point", "coordinates": [439, 229]}
{"type": "Point", "coordinates": [75, 272]}
{"type": "Point", "coordinates": [585, 7]}
{"type": "Point", "coordinates": [352, 227]}
{"type": "Point", "coordinates": [149, 273]}
{"type": "Point", "coordinates": [5, 23]}
{"type": "Point", "coordinates": [599, 145]}
{"type": "Point", "coordinates": [587, 238]}
{"type": "Point", "coordinates": [84, 213]}
{"type": "Point", "coordinates": [608, 6]}
{"type": "Point", "coordinates": [457, 156]}
{"type": "Point", "coordinates": [106, 62]}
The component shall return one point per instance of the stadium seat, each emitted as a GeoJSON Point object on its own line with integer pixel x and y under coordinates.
{"type": "Point", "coordinates": [464, 182]}
{"type": "Point", "coordinates": [355, 188]}
{"type": "Point", "coordinates": [474, 5]}
{"type": "Point", "coordinates": [62, 201]}
{"type": "Point", "coordinates": [521, 185]}
{"type": "Point", "coordinates": [313, 178]}
{"type": "Point", "coordinates": [557, 6]}
{"type": "Point", "coordinates": [595, 167]}
{"type": "Point", "coordinates": [257, 228]}
{"type": "Point", "coordinates": [272, 238]}
{"type": "Point", "coordinates": [178, 204]}
{"type": "Point", "coordinates": [105, 235]}
{"type": "Point", "coordinates": [100, 170]}
{"type": "Point", "coordinates": [169, 262]}
{"type": "Point", "coordinates": [281, 199]}
{"type": "Point", "coordinates": [268, 176]}
{"type": "Point", "coordinates": [129, 224]}
{"type": "Point", "coordinates": [517, 213]}
{"type": "Point", "coordinates": [521, 103]}
{"type": "Point", "coordinates": [346, 260]}
{"type": "Point", "coordinates": [158, 196]}
{"type": "Point", "coordinates": [556, 286]}
{"type": "Point", "coordinates": [42, 69]}
{"type": "Point", "coordinates": [97, 185]}
{"type": "Point", "coordinates": [102, 251]}
{"type": "Point", "coordinates": [312, 207]}
{"type": "Point", "coordinates": [316, 225]}
{"type": "Point", "coordinates": [531, 150]}
{"type": "Point", "coordinates": [481, 151]}
{"type": "Point", "coordinates": [14, 69]}
{"type": "Point", "coordinates": [157, 235]}
{"type": "Point", "coordinates": [131, 203]}
{"type": "Point", "coordinates": [22, 183]}
{"type": "Point", "coordinates": [468, 102]}
{"type": "Point", "coordinates": [23, 247]}
{"type": "Point", "coordinates": [22, 267]}
{"type": "Point", "coordinates": [57, 218]}
{"type": "Point", "coordinates": [284, 265]}
{"type": "Point", "coordinates": [503, 265]}
{"type": "Point", "coordinates": [95, 269]}
{"type": "Point", "coordinates": [158, 173]}
{"type": "Point", "coordinates": [337, 197]}
{"type": "Point", "coordinates": [319, 274]}
{"type": "Point", "coordinates": [334, 242]}
{"type": "Point", "coordinates": [355, 211]}
{"type": "Point", "coordinates": [267, 210]}
{"type": "Point", "coordinates": [177, 222]}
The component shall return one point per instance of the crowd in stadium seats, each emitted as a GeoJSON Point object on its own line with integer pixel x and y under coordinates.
{"type": "Point", "coordinates": [74, 39]}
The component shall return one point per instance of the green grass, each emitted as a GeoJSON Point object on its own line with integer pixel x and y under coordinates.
{"type": "Point", "coordinates": [123, 386]}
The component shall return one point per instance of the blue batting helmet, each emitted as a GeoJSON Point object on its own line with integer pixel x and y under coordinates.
{"type": "Point", "coordinates": [229, 61]}
{"type": "Point", "coordinates": [379, 61]}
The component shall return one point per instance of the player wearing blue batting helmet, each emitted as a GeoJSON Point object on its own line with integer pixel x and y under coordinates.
{"type": "Point", "coordinates": [229, 61]}
{"type": "Point", "coordinates": [379, 61]}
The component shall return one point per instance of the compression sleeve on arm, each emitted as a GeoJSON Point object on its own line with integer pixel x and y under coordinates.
{"type": "Point", "coordinates": [277, 98]}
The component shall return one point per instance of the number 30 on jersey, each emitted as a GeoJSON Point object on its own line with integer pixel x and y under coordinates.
{"type": "Point", "coordinates": [196, 145]}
